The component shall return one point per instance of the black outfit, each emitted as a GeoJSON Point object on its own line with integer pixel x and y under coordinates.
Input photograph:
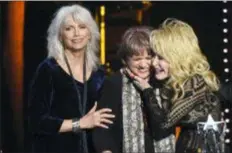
{"type": "Point", "coordinates": [226, 99]}
{"type": "Point", "coordinates": [226, 91]}
{"type": "Point", "coordinates": [52, 99]}
{"type": "Point", "coordinates": [195, 106]}
{"type": "Point", "coordinates": [112, 138]}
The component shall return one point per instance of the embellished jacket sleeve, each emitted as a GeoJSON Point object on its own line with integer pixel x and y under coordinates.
{"type": "Point", "coordinates": [195, 106]}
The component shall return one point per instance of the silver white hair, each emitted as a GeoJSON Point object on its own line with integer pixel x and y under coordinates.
{"type": "Point", "coordinates": [54, 45]}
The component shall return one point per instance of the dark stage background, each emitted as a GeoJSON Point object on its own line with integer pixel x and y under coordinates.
{"type": "Point", "coordinates": [204, 17]}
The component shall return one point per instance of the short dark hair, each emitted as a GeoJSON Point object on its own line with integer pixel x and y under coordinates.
{"type": "Point", "coordinates": [134, 40]}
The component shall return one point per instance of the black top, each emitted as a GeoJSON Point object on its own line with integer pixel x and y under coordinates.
{"type": "Point", "coordinates": [226, 91]}
{"type": "Point", "coordinates": [52, 99]}
{"type": "Point", "coordinates": [111, 139]}
{"type": "Point", "coordinates": [198, 102]}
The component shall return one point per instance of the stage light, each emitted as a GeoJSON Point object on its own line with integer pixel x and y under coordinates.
{"type": "Point", "coordinates": [227, 110]}
{"type": "Point", "coordinates": [225, 20]}
{"type": "Point", "coordinates": [227, 141]}
{"type": "Point", "coordinates": [227, 70]}
{"type": "Point", "coordinates": [225, 40]}
{"type": "Point", "coordinates": [102, 34]}
{"type": "Point", "coordinates": [225, 30]}
{"type": "Point", "coordinates": [225, 10]}
{"type": "Point", "coordinates": [225, 60]}
{"type": "Point", "coordinates": [225, 50]}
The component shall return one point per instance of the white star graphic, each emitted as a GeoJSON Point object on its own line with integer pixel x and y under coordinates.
{"type": "Point", "coordinates": [210, 123]}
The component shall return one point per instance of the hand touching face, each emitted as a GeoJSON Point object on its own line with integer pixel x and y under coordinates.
{"type": "Point", "coordinates": [140, 64]}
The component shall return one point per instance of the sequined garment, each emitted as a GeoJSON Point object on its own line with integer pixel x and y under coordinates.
{"type": "Point", "coordinates": [195, 106]}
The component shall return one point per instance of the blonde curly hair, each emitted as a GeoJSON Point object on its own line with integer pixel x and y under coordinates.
{"type": "Point", "coordinates": [177, 43]}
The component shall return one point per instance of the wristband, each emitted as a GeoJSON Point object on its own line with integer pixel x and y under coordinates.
{"type": "Point", "coordinates": [76, 125]}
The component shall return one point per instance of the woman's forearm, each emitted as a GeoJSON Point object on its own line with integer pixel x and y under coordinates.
{"type": "Point", "coordinates": [66, 126]}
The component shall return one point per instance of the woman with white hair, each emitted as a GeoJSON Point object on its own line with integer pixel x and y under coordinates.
{"type": "Point", "coordinates": [62, 111]}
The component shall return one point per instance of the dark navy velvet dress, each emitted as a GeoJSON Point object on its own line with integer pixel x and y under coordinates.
{"type": "Point", "coordinates": [52, 99]}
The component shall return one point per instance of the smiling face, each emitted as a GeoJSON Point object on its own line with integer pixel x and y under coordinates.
{"type": "Point", "coordinates": [139, 64]}
{"type": "Point", "coordinates": [74, 34]}
{"type": "Point", "coordinates": [161, 67]}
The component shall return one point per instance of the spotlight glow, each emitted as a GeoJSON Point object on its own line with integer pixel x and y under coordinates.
{"type": "Point", "coordinates": [227, 141]}
{"type": "Point", "coordinates": [225, 20]}
{"type": "Point", "coordinates": [225, 40]}
{"type": "Point", "coordinates": [227, 70]}
{"type": "Point", "coordinates": [225, 30]}
{"type": "Point", "coordinates": [225, 50]}
{"type": "Point", "coordinates": [227, 110]}
{"type": "Point", "coordinates": [225, 60]}
{"type": "Point", "coordinates": [225, 10]}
